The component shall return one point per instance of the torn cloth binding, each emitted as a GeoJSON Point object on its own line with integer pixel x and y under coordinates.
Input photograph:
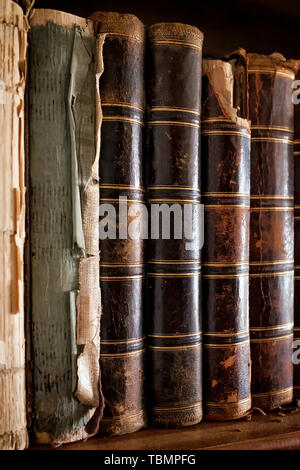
{"type": "Point", "coordinates": [64, 122]}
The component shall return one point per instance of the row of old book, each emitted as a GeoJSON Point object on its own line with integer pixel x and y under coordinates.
{"type": "Point", "coordinates": [114, 349]}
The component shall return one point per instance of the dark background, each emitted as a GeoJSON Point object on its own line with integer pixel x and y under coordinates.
{"type": "Point", "coordinates": [262, 26]}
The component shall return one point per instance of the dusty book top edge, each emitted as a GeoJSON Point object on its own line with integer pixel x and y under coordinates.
{"type": "Point", "coordinates": [118, 24]}
{"type": "Point", "coordinates": [11, 13]}
{"type": "Point", "coordinates": [176, 32]}
{"type": "Point", "coordinates": [60, 18]}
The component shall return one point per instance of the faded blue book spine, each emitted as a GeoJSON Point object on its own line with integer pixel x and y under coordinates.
{"type": "Point", "coordinates": [64, 190]}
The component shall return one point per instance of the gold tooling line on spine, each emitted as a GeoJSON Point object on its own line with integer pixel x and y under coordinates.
{"type": "Point", "coordinates": [178, 43]}
{"type": "Point", "coordinates": [119, 418]}
{"type": "Point", "coordinates": [274, 209]}
{"type": "Point", "coordinates": [271, 263]}
{"type": "Point", "coordinates": [133, 353]}
{"type": "Point", "coordinates": [121, 278]}
{"type": "Point", "coordinates": [217, 120]}
{"type": "Point", "coordinates": [225, 345]}
{"type": "Point", "coordinates": [174, 123]}
{"type": "Point", "coordinates": [226, 405]}
{"type": "Point", "coordinates": [121, 186]}
{"type": "Point", "coordinates": [175, 188]}
{"type": "Point", "coordinates": [227, 335]}
{"type": "Point", "coordinates": [269, 340]}
{"type": "Point", "coordinates": [174, 274]}
{"type": "Point", "coordinates": [123, 35]}
{"type": "Point", "coordinates": [123, 105]}
{"type": "Point", "coordinates": [129, 341]}
{"type": "Point", "coordinates": [122, 265]}
{"type": "Point", "coordinates": [172, 348]}
{"type": "Point", "coordinates": [227, 195]}
{"type": "Point", "coordinates": [225, 265]}
{"type": "Point", "coordinates": [189, 201]}
{"type": "Point", "coordinates": [225, 276]}
{"type": "Point", "coordinates": [272, 197]}
{"type": "Point", "coordinates": [272, 72]}
{"type": "Point", "coordinates": [183, 335]}
{"type": "Point", "coordinates": [174, 109]}
{"type": "Point", "coordinates": [272, 139]}
{"type": "Point", "coordinates": [121, 201]}
{"type": "Point", "coordinates": [283, 273]}
{"type": "Point", "coordinates": [272, 393]}
{"type": "Point", "coordinates": [187, 407]}
{"type": "Point", "coordinates": [213, 132]}
{"type": "Point", "coordinates": [123, 119]}
{"type": "Point", "coordinates": [273, 128]}
{"type": "Point", "coordinates": [228, 206]}
{"type": "Point", "coordinates": [271, 328]}
{"type": "Point", "coordinates": [163, 261]}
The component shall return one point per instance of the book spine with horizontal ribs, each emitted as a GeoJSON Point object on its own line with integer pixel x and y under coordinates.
{"type": "Point", "coordinates": [13, 42]}
{"type": "Point", "coordinates": [297, 234]}
{"type": "Point", "coordinates": [64, 62]}
{"type": "Point", "coordinates": [226, 196]}
{"type": "Point", "coordinates": [122, 251]}
{"type": "Point", "coordinates": [173, 183]}
{"type": "Point", "coordinates": [270, 81]}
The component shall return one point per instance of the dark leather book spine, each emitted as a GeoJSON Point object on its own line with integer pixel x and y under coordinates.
{"type": "Point", "coordinates": [297, 236]}
{"type": "Point", "coordinates": [271, 229]}
{"type": "Point", "coordinates": [226, 196]}
{"type": "Point", "coordinates": [122, 259]}
{"type": "Point", "coordinates": [173, 179]}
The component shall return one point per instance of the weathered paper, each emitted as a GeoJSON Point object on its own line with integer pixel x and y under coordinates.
{"type": "Point", "coordinates": [13, 434]}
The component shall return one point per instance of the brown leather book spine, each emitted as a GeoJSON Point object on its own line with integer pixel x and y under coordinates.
{"type": "Point", "coordinates": [173, 302]}
{"type": "Point", "coordinates": [272, 229]}
{"type": "Point", "coordinates": [226, 196]}
{"type": "Point", "coordinates": [122, 259]}
{"type": "Point", "coordinates": [297, 236]}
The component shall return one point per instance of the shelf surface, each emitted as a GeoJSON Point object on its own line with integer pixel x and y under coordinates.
{"type": "Point", "coordinates": [277, 430]}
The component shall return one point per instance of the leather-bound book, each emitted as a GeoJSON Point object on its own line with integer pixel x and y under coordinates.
{"type": "Point", "coordinates": [122, 258]}
{"type": "Point", "coordinates": [13, 433]}
{"type": "Point", "coordinates": [173, 188]}
{"type": "Point", "coordinates": [297, 233]}
{"type": "Point", "coordinates": [64, 61]}
{"type": "Point", "coordinates": [271, 293]}
{"type": "Point", "coordinates": [225, 149]}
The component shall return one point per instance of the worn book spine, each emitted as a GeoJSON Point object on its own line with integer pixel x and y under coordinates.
{"type": "Point", "coordinates": [122, 195]}
{"type": "Point", "coordinates": [64, 66]}
{"type": "Point", "coordinates": [271, 229]}
{"type": "Point", "coordinates": [173, 186]}
{"type": "Point", "coordinates": [226, 196]}
{"type": "Point", "coordinates": [297, 233]}
{"type": "Point", "coordinates": [13, 42]}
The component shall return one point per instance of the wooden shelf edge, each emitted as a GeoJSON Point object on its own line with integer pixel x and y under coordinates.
{"type": "Point", "coordinates": [275, 431]}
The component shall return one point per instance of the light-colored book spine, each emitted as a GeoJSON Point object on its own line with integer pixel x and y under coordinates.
{"type": "Point", "coordinates": [13, 433]}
